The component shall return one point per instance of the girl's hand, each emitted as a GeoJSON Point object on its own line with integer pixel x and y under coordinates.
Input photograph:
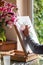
{"type": "Point", "coordinates": [25, 30]}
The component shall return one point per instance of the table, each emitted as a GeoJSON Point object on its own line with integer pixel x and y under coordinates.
{"type": "Point", "coordinates": [38, 61]}
{"type": "Point", "coordinates": [33, 62]}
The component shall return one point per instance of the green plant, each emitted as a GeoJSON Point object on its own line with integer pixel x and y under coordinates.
{"type": "Point", "coordinates": [38, 19]}
{"type": "Point", "coordinates": [2, 31]}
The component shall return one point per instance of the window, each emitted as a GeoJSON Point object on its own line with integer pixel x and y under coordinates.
{"type": "Point", "coordinates": [38, 18]}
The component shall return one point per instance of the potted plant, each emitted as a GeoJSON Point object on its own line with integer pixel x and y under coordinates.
{"type": "Point", "coordinates": [7, 17]}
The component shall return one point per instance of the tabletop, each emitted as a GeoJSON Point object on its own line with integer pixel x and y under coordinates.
{"type": "Point", "coordinates": [33, 62]}
{"type": "Point", "coordinates": [8, 61]}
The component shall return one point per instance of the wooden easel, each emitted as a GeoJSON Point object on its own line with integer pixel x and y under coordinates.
{"type": "Point", "coordinates": [23, 55]}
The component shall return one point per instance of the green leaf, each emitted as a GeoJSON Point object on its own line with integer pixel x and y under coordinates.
{"type": "Point", "coordinates": [4, 38]}
{"type": "Point", "coordinates": [1, 39]}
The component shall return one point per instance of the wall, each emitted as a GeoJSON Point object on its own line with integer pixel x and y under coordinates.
{"type": "Point", "coordinates": [29, 8]}
{"type": "Point", "coordinates": [25, 7]}
{"type": "Point", "coordinates": [22, 7]}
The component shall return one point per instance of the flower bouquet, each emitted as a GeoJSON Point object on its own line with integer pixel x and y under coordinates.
{"type": "Point", "coordinates": [7, 17]}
